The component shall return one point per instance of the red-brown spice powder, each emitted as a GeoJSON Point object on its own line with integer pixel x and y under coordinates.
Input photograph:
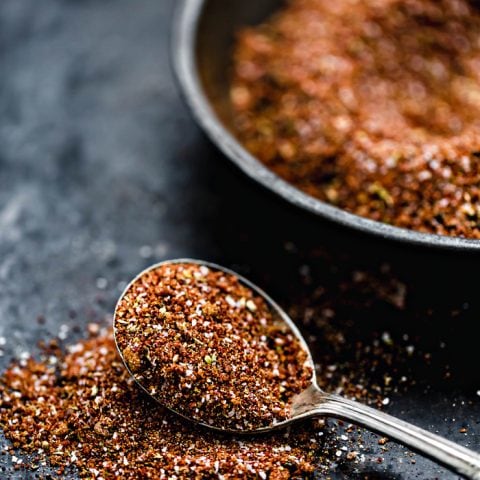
{"type": "Point", "coordinates": [373, 106]}
{"type": "Point", "coordinates": [208, 347]}
{"type": "Point", "coordinates": [83, 410]}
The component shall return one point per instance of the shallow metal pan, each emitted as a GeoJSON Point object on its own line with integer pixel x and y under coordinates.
{"type": "Point", "coordinates": [204, 31]}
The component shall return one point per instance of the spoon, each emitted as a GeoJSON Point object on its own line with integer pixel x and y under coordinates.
{"type": "Point", "coordinates": [314, 402]}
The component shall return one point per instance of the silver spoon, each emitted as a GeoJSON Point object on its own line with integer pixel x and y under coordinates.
{"type": "Point", "coordinates": [313, 402]}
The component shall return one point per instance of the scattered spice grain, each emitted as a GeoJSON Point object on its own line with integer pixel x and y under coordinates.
{"type": "Point", "coordinates": [373, 106]}
{"type": "Point", "coordinates": [210, 348]}
{"type": "Point", "coordinates": [85, 415]}
{"type": "Point", "coordinates": [358, 323]}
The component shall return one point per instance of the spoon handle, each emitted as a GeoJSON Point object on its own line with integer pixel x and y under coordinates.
{"type": "Point", "coordinates": [459, 459]}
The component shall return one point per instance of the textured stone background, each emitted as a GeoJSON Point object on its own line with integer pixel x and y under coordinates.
{"type": "Point", "coordinates": [102, 172]}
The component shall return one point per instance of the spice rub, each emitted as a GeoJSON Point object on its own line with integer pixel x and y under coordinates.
{"type": "Point", "coordinates": [373, 106]}
{"type": "Point", "coordinates": [83, 413]}
{"type": "Point", "coordinates": [210, 348]}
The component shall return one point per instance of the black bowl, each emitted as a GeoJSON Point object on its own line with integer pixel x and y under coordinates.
{"type": "Point", "coordinates": [203, 36]}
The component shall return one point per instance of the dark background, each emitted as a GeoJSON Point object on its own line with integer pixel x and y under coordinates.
{"type": "Point", "coordinates": [103, 172]}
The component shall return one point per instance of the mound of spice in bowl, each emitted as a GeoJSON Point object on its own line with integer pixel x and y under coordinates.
{"type": "Point", "coordinates": [372, 106]}
{"type": "Point", "coordinates": [206, 346]}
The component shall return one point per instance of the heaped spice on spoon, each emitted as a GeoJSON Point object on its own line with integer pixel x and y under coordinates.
{"type": "Point", "coordinates": [373, 106]}
{"type": "Point", "coordinates": [206, 346]}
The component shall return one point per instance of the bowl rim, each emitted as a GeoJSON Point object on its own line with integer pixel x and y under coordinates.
{"type": "Point", "coordinates": [183, 46]}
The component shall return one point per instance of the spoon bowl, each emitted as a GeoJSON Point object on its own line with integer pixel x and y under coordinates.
{"type": "Point", "coordinates": [280, 315]}
{"type": "Point", "coordinates": [313, 402]}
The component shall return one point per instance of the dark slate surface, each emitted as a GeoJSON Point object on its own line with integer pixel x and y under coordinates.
{"type": "Point", "coordinates": [102, 172]}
